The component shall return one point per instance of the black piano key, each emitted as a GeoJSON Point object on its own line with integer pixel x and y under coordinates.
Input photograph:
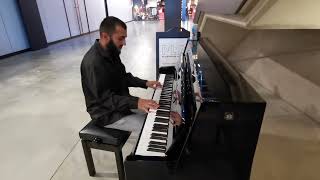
{"type": "Point", "coordinates": [167, 108]}
{"type": "Point", "coordinates": [166, 89]}
{"type": "Point", "coordinates": [166, 96]}
{"type": "Point", "coordinates": [161, 125]}
{"type": "Point", "coordinates": [155, 134]}
{"type": "Point", "coordinates": [165, 99]}
{"type": "Point", "coordinates": [164, 107]}
{"type": "Point", "coordinates": [159, 116]}
{"type": "Point", "coordinates": [159, 129]}
{"type": "Point", "coordinates": [161, 119]}
{"type": "Point", "coordinates": [164, 138]}
{"type": "Point", "coordinates": [158, 138]}
{"type": "Point", "coordinates": [164, 126]}
{"type": "Point", "coordinates": [167, 84]}
{"type": "Point", "coordinates": [158, 143]}
{"type": "Point", "coordinates": [158, 135]}
{"type": "Point", "coordinates": [166, 93]}
{"type": "Point", "coordinates": [164, 103]}
{"type": "Point", "coordinates": [163, 114]}
{"type": "Point", "coordinates": [160, 122]}
{"type": "Point", "coordinates": [166, 112]}
{"type": "Point", "coordinates": [160, 112]}
{"type": "Point", "coordinates": [156, 150]}
{"type": "Point", "coordinates": [157, 147]}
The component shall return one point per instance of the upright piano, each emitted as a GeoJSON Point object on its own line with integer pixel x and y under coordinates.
{"type": "Point", "coordinates": [221, 114]}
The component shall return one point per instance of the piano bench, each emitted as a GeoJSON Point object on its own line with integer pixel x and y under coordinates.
{"type": "Point", "coordinates": [107, 139]}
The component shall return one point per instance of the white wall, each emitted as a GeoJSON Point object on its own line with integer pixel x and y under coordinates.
{"type": "Point", "coordinates": [121, 9]}
{"type": "Point", "coordinates": [5, 47]}
{"type": "Point", "coordinates": [83, 15]}
{"type": "Point", "coordinates": [12, 33]}
{"type": "Point", "coordinates": [77, 16]}
{"type": "Point", "coordinates": [96, 12]}
{"type": "Point", "coordinates": [54, 19]}
{"type": "Point", "coordinates": [12, 20]}
{"type": "Point", "coordinates": [72, 17]}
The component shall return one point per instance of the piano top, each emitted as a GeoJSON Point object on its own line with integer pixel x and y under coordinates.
{"type": "Point", "coordinates": [223, 83]}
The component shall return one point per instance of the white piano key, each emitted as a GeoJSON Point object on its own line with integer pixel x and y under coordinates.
{"type": "Point", "coordinates": [145, 136]}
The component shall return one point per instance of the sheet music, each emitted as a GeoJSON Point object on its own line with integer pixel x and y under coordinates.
{"type": "Point", "coordinates": [170, 50]}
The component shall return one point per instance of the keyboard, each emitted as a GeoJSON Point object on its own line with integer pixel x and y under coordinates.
{"type": "Point", "coordinates": [157, 132]}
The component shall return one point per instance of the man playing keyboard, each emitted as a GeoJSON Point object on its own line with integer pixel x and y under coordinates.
{"type": "Point", "coordinates": [105, 82]}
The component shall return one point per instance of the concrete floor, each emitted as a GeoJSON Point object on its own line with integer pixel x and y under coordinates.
{"type": "Point", "coordinates": [42, 110]}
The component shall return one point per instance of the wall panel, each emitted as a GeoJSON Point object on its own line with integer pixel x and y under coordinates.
{"type": "Point", "coordinates": [54, 19]}
{"type": "Point", "coordinates": [121, 9]}
{"type": "Point", "coordinates": [96, 13]}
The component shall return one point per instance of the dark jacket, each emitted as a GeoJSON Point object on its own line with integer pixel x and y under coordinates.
{"type": "Point", "coordinates": [105, 85]}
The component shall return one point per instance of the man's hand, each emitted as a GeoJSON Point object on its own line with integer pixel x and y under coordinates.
{"type": "Point", "coordinates": [154, 84]}
{"type": "Point", "coordinates": [176, 118]}
{"type": "Point", "coordinates": [146, 104]}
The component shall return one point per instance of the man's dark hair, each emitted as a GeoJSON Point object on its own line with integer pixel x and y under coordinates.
{"type": "Point", "coordinates": [109, 24]}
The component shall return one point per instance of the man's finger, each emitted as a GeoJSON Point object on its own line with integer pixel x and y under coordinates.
{"type": "Point", "coordinates": [154, 106]}
{"type": "Point", "coordinates": [154, 86]}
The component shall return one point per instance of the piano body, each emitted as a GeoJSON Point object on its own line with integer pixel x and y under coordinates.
{"type": "Point", "coordinates": [222, 119]}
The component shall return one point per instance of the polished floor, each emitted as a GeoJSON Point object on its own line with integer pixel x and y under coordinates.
{"type": "Point", "coordinates": [42, 110]}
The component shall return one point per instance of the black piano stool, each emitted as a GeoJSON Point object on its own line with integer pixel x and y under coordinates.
{"type": "Point", "coordinates": [107, 139]}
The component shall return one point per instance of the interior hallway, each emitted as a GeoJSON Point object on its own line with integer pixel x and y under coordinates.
{"type": "Point", "coordinates": [42, 110]}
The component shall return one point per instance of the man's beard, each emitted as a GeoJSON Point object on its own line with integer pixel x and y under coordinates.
{"type": "Point", "coordinates": [112, 48]}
